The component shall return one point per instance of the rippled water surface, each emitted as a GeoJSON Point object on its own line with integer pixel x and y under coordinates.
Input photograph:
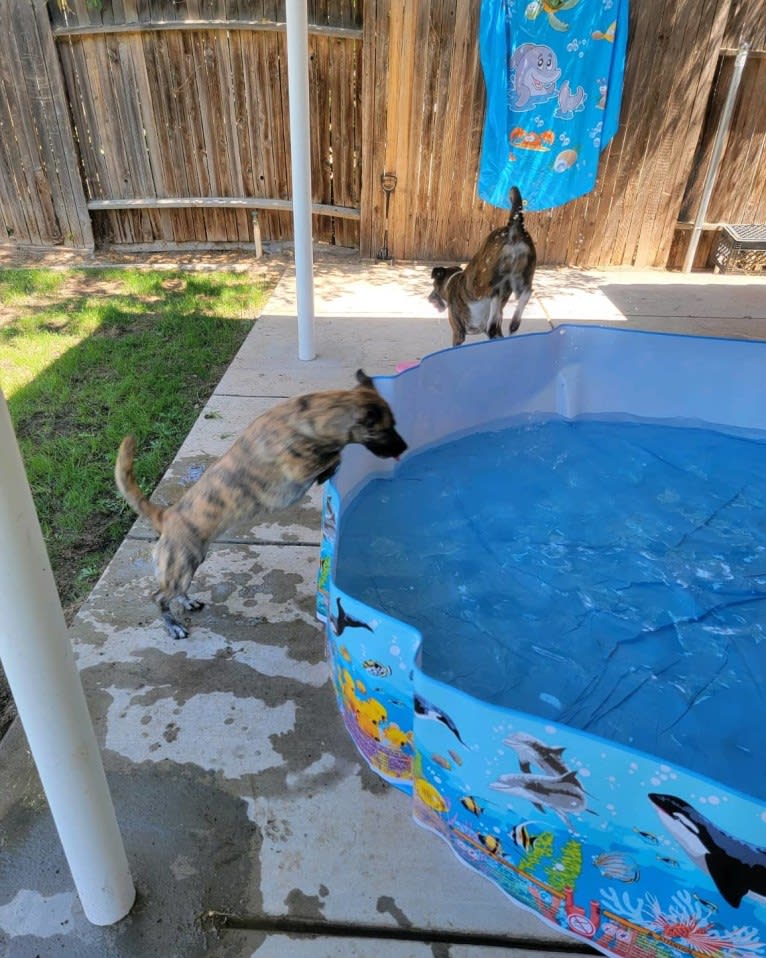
{"type": "Point", "coordinates": [608, 575]}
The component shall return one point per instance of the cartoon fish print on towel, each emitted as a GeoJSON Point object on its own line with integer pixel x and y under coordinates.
{"type": "Point", "coordinates": [553, 69]}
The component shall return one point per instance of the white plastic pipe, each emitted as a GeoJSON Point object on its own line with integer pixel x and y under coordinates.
{"type": "Point", "coordinates": [715, 156]}
{"type": "Point", "coordinates": [39, 664]}
{"type": "Point", "coordinates": [300, 156]}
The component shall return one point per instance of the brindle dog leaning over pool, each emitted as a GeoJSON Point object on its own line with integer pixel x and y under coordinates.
{"type": "Point", "coordinates": [271, 465]}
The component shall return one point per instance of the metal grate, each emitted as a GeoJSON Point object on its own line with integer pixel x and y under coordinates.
{"type": "Point", "coordinates": [741, 247]}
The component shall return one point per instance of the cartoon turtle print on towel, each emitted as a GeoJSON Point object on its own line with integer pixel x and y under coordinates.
{"type": "Point", "coordinates": [551, 8]}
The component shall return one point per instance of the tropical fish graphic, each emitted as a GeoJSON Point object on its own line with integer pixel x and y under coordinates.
{"type": "Point", "coordinates": [647, 837]}
{"type": "Point", "coordinates": [607, 34]}
{"type": "Point", "coordinates": [521, 836]}
{"type": "Point", "coordinates": [491, 843]}
{"type": "Point", "coordinates": [430, 796]}
{"type": "Point", "coordinates": [397, 738]}
{"type": "Point", "coordinates": [443, 762]}
{"type": "Point", "coordinates": [469, 802]}
{"type": "Point", "coordinates": [617, 866]}
{"type": "Point", "coordinates": [376, 669]}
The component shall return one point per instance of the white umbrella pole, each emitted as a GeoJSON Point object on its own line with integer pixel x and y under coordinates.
{"type": "Point", "coordinates": [39, 664]}
{"type": "Point", "coordinates": [300, 155]}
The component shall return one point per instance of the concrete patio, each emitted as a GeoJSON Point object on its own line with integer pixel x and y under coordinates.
{"type": "Point", "coordinates": [251, 825]}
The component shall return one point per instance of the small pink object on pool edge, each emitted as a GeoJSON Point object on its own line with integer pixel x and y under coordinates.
{"type": "Point", "coordinates": [407, 364]}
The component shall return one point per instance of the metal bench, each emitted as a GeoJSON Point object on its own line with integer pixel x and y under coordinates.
{"type": "Point", "coordinates": [740, 248]}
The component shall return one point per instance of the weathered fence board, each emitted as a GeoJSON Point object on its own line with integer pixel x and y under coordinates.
{"type": "Point", "coordinates": [181, 128]}
{"type": "Point", "coordinates": [41, 197]}
{"type": "Point", "coordinates": [190, 101]}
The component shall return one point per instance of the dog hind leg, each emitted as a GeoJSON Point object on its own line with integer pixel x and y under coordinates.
{"type": "Point", "coordinates": [521, 302]}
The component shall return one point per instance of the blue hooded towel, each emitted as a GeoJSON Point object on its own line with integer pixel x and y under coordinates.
{"type": "Point", "coordinates": [553, 71]}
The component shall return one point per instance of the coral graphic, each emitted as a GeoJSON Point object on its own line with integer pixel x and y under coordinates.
{"type": "Point", "coordinates": [686, 921]}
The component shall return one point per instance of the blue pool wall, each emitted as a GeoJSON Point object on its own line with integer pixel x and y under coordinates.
{"type": "Point", "coordinates": [570, 371]}
{"type": "Point", "coordinates": [560, 820]}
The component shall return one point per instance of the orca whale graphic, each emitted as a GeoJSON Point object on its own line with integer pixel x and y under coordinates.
{"type": "Point", "coordinates": [737, 867]}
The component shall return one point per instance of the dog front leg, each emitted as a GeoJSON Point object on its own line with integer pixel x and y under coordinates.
{"type": "Point", "coordinates": [494, 326]}
{"type": "Point", "coordinates": [175, 629]}
{"type": "Point", "coordinates": [458, 328]}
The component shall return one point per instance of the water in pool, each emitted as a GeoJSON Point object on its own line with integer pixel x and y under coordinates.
{"type": "Point", "coordinates": [608, 575]}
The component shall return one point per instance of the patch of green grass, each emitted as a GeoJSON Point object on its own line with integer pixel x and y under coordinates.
{"type": "Point", "coordinates": [96, 355]}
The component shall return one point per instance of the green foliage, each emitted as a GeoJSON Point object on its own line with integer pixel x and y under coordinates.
{"type": "Point", "coordinates": [543, 848]}
{"type": "Point", "coordinates": [89, 356]}
{"type": "Point", "coordinates": [566, 871]}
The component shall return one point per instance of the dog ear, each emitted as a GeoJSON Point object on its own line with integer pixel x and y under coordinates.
{"type": "Point", "coordinates": [364, 380]}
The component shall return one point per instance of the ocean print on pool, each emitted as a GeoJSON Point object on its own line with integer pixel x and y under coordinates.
{"type": "Point", "coordinates": [553, 72]}
{"type": "Point", "coordinates": [626, 849]}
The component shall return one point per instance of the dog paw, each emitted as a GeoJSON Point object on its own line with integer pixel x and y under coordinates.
{"type": "Point", "coordinates": [175, 629]}
{"type": "Point", "coordinates": [191, 605]}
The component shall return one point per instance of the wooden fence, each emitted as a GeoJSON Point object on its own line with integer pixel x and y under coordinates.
{"type": "Point", "coordinates": [155, 124]}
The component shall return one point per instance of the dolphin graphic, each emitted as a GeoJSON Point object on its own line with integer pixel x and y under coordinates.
{"type": "Point", "coordinates": [532, 751]}
{"type": "Point", "coordinates": [426, 710]}
{"type": "Point", "coordinates": [563, 794]}
{"type": "Point", "coordinates": [737, 867]}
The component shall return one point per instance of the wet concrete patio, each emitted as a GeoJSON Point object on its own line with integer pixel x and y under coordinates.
{"type": "Point", "coordinates": [251, 825]}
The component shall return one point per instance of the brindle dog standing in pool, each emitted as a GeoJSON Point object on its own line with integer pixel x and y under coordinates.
{"type": "Point", "coordinates": [270, 466]}
{"type": "Point", "coordinates": [475, 297]}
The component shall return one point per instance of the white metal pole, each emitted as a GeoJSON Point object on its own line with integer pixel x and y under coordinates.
{"type": "Point", "coordinates": [300, 155]}
{"type": "Point", "coordinates": [715, 156]}
{"type": "Point", "coordinates": [39, 664]}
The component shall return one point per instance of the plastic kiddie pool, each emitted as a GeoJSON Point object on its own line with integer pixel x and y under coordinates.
{"type": "Point", "coordinates": [638, 832]}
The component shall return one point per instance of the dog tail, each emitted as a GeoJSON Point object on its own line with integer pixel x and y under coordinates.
{"type": "Point", "coordinates": [126, 483]}
{"type": "Point", "coordinates": [516, 217]}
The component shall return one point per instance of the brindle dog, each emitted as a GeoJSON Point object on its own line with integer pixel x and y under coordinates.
{"type": "Point", "coordinates": [475, 297]}
{"type": "Point", "coordinates": [271, 465]}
